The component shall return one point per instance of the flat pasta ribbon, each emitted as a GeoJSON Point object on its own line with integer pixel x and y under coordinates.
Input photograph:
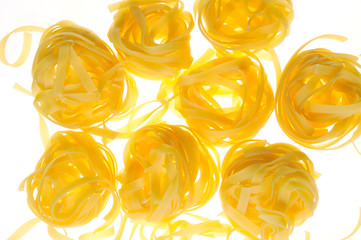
{"type": "Point", "coordinates": [72, 183]}
{"type": "Point", "coordinates": [167, 171]}
{"type": "Point", "coordinates": [241, 82]}
{"type": "Point", "coordinates": [242, 24]}
{"type": "Point", "coordinates": [77, 79]}
{"type": "Point", "coordinates": [267, 189]}
{"type": "Point", "coordinates": [152, 36]}
{"type": "Point", "coordinates": [319, 98]}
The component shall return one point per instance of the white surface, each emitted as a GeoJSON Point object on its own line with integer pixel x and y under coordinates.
{"type": "Point", "coordinates": [339, 185]}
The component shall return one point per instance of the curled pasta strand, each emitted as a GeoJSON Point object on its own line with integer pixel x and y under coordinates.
{"type": "Point", "coordinates": [244, 25]}
{"type": "Point", "coordinates": [199, 92]}
{"type": "Point", "coordinates": [167, 171]}
{"type": "Point", "coordinates": [319, 97]}
{"type": "Point", "coordinates": [77, 79]}
{"type": "Point", "coordinates": [72, 183]}
{"type": "Point", "coordinates": [267, 189]}
{"type": "Point", "coordinates": [152, 36]}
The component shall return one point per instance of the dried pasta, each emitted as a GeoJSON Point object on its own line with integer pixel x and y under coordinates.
{"type": "Point", "coordinates": [77, 79]}
{"type": "Point", "coordinates": [72, 183]}
{"type": "Point", "coordinates": [244, 25]}
{"type": "Point", "coordinates": [152, 37]}
{"type": "Point", "coordinates": [167, 171]}
{"type": "Point", "coordinates": [267, 189]}
{"type": "Point", "coordinates": [242, 82]}
{"type": "Point", "coordinates": [319, 98]}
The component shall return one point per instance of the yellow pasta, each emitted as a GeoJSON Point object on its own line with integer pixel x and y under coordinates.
{"type": "Point", "coordinates": [72, 182]}
{"type": "Point", "coordinates": [319, 98]}
{"type": "Point", "coordinates": [152, 37]}
{"type": "Point", "coordinates": [77, 79]}
{"type": "Point", "coordinates": [241, 82]}
{"type": "Point", "coordinates": [267, 189]}
{"type": "Point", "coordinates": [244, 25]}
{"type": "Point", "coordinates": [167, 171]}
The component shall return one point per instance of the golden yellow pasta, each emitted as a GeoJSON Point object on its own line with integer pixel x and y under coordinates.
{"type": "Point", "coordinates": [73, 181]}
{"type": "Point", "coordinates": [243, 24]}
{"type": "Point", "coordinates": [77, 79]}
{"type": "Point", "coordinates": [267, 189]}
{"type": "Point", "coordinates": [319, 98]}
{"type": "Point", "coordinates": [152, 37]}
{"type": "Point", "coordinates": [226, 99]}
{"type": "Point", "coordinates": [167, 171]}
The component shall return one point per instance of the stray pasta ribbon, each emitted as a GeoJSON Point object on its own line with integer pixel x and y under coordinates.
{"type": "Point", "coordinates": [319, 98]}
{"type": "Point", "coordinates": [72, 183]}
{"type": "Point", "coordinates": [267, 189]}
{"type": "Point", "coordinates": [225, 99]}
{"type": "Point", "coordinates": [242, 24]}
{"type": "Point", "coordinates": [152, 37]}
{"type": "Point", "coordinates": [167, 171]}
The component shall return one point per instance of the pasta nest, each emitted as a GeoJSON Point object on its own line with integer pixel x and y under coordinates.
{"type": "Point", "coordinates": [319, 97]}
{"type": "Point", "coordinates": [225, 99]}
{"type": "Point", "coordinates": [77, 79]}
{"type": "Point", "coordinates": [243, 24]}
{"type": "Point", "coordinates": [152, 37]}
{"type": "Point", "coordinates": [267, 189]}
{"type": "Point", "coordinates": [167, 171]}
{"type": "Point", "coordinates": [73, 181]}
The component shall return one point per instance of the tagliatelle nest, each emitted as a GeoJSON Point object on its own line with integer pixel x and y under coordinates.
{"type": "Point", "coordinates": [167, 171]}
{"type": "Point", "coordinates": [73, 181]}
{"type": "Point", "coordinates": [244, 24]}
{"type": "Point", "coordinates": [152, 37]}
{"type": "Point", "coordinates": [267, 189]}
{"type": "Point", "coordinates": [77, 79]}
{"type": "Point", "coordinates": [319, 98]}
{"type": "Point", "coordinates": [242, 82]}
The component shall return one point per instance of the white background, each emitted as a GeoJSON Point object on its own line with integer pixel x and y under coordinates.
{"type": "Point", "coordinates": [20, 145]}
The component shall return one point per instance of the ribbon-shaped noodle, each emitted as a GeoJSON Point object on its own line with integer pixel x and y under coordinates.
{"type": "Point", "coordinates": [243, 24]}
{"type": "Point", "coordinates": [72, 182]}
{"type": "Point", "coordinates": [243, 81]}
{"type": "Point", "coordinates": [152, 36]}
{"type": "Point", "coordinates": [266, 189]}
{"type": "Point", "coordinates": [319, 98]}
{"type": "Point", "coordinates": [167, 171]}
{"type": "Point", "coordinates": [77, 79]}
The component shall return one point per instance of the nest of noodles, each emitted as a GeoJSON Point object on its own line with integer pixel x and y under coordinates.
{"type": "Point", "coordinates": [242, 82]}
{"type": "Point", "coordinates": [243, 24]}
{"type": "Point", "coordinates": [267, 189]}
{"type": "Point", "coordinates": [167, 171]}
{"type": "Point", "coordinates": [77, 79]}
{"type": "Point", "coordinates": [152, 37]}
{"type": "Point", "coordinates": [73, 181]}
